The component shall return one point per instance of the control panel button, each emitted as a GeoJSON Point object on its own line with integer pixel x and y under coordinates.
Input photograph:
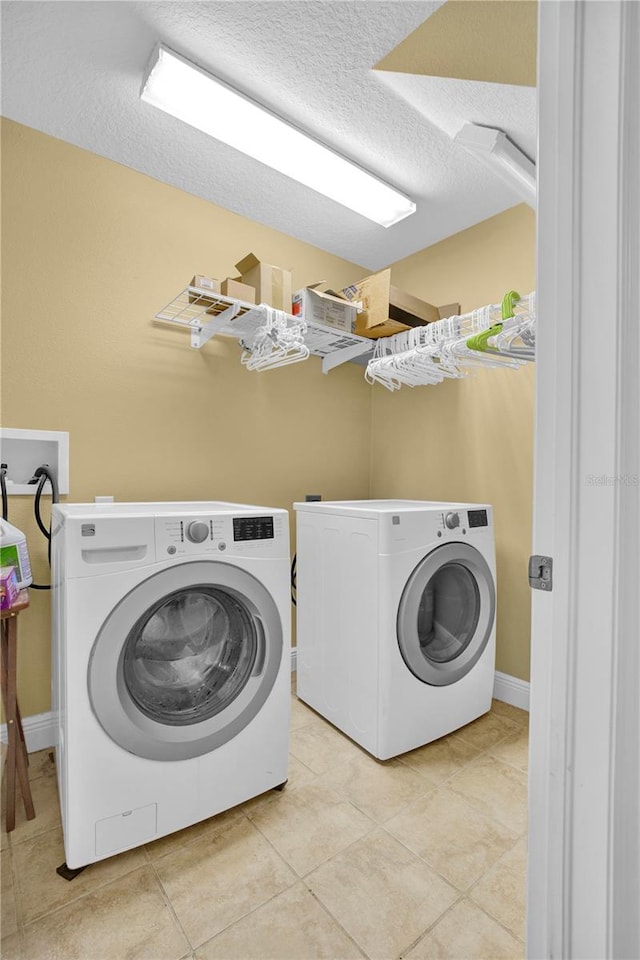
{"type": "Point", "coordinates": [222, 545]}
{"type": "Point", "coordinates": [171, 550]}
{"type": "Point", "coordinates": [197, 531]}
{"type": "Point", "coordinates": [452, 520]}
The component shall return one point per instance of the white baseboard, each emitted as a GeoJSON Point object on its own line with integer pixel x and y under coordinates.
{"type": "Point", "coordinates": [294, 659]}
{"type": "Point", "coordinates": [511, 690]}
{"type": "Point", "coordinates": [39, 732]}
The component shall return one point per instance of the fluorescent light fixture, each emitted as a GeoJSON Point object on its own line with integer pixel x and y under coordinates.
{"type": "Point", "coordinates": [496, 151]}
{"type": "Point", "coordinates": [195, 97]}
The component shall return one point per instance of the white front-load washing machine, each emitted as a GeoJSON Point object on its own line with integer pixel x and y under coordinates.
{"type": "Point", "coordinates": [396, 605]}
{"type": "Point", "coordinates": [171, 666]}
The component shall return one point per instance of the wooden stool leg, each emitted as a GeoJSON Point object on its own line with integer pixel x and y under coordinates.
{"type": "Point", "coordinates": [21, 731]}
{"type": "Point", "coordinates": [23, 779]}
{"type": "Point", "coordinates": [17, 758]}
{"type": "Point", "coordinates": [8, 641]}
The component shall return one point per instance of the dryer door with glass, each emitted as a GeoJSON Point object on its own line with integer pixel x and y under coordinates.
{"type": "Point", "coordinates": [446, 614]}
{"type": "Point", "coordinates": [186, 660]}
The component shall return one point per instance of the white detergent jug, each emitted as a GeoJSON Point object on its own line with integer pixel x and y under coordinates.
{"type": "Point", "coordinates": [14, 553]}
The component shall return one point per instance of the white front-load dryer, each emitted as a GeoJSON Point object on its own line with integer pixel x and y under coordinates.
{"type": "Point", "coordinates": [171, 666]}
{"type": "Point", "coordinates": [396, 604]}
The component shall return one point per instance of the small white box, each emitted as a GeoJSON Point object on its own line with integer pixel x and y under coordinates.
{"type": "Point", "coordinates": [316, 307]}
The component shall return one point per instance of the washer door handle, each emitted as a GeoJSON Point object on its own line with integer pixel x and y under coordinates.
{"type": "Point", "coordinates": [258, 666]}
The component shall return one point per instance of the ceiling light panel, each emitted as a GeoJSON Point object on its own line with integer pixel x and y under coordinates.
{"type": "Point", "coordinates": [195, 97]}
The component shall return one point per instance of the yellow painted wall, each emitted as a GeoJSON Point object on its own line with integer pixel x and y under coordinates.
{"type": "Point", "coordinates": [90, 251]}
{"type": "Point", "coordinates": [471, 439]}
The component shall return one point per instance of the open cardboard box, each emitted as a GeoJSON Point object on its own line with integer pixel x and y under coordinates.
{"type": "Point", "coordinates": [385, 309]}
{"type": "Point", "coordinates": [272, 284]}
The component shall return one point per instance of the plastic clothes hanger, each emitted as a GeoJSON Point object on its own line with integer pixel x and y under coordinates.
{"type": "Point", "coordinates": [276, 342]}
{"type": "Point", "coordinates": [479, 340]}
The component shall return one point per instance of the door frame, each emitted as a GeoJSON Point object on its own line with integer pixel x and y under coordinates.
{"type": "Point", "coordinates": [584, 792]}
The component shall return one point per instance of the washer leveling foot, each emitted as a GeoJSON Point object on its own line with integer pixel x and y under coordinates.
{"type": "Point", "coordinates": [67, 873]}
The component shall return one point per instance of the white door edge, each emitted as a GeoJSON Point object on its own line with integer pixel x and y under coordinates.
{"type": "Point", "coordinates": [585, 738]}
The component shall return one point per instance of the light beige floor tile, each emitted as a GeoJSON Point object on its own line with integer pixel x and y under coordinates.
{"type": "Point", "coordinates": [496, 789]}
{"type": "Point", "coordinates": [292, 926]}
{"type": "Point", "coordinates": [198, 831]}
{"type": "Point", "coordinates": [487, 730]}
{"type": "Point", "coordinates": [298, 775]}
{"type": "Point", "coordinates": [309, 825]}
{"type": "Point", "coordinates": [379, 789]}
{"type": "Point", "coordinates": [44, 792]}
{"type": "Point", "coordinates": [41, 889]}
{"type": "Point", "coordinates": [460, 843]}
{"type": "Point", "coordinates": [11, 948]}
{"type": "Point", "coordinates": [439, 760]}
{"type": "Point", "coordinates": [502, 892]}
{"type": "Point", "coordinates": [126, 918]}
{"type": "Point", "coordinates": [514, 749]}
{"type": "Point", "coordinates": [382, 894]}
{"type": "Point", "coordinates": [321, 747]}
{"type": "Point", "coordinates": [512, 713]}
{"type": "Point", "coordinates": [302, 715]}
{"type": "Point", "coordinates": [213, 883]}
{"type": "Point", "coordinates": [8, 914]}
{"type": "Point", "coordinates": [466, 933]}
{"type": "Point", "coordinates": [42, 764]}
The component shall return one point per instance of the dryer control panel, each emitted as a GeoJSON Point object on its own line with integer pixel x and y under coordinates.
{"type": "Point", "coordinates": [190, 536]}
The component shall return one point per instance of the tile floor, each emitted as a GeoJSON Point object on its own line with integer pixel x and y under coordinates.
{"type": "Point", "coordinates": [419, 857]}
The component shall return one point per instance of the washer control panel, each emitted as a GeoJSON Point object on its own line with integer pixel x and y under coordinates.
{"type": "Point", "coordinates": [189, 536]}
{"type": "Point", "coordinates": [253, 528]}
{"type": "Point", "coordinates": [478, 518]}
{"type": "Point", "coordinates": [458, 522]}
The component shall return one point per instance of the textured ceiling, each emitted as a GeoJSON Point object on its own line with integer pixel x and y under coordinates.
{"type": "Point", "coordinates": [74, 69]}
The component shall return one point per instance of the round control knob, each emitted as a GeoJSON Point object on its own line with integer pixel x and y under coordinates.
{"type": "Point", "coordinates": [452, 520]}
{"type": "Point", "coordinates": [197, 531]}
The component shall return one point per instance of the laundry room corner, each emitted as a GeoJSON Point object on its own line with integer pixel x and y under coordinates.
{"type": "Point", "coordinates": [91, 251]}
{"type": "Point", "coordinates": [471, 439]}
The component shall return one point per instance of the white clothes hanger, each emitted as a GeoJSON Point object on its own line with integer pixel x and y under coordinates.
{"type": "Point", "coordinates": [429, 354]}
{"type": "Point", "coordinates": [276, 342]}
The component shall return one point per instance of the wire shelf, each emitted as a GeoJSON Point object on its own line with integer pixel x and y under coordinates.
{"type": "Point", "coordinates": [205, 314]}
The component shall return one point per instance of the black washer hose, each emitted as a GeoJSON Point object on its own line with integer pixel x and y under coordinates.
{"type": "Point", "coordinates": [44, 474]}
{"type": "Point", "coordinates": [3, 487]}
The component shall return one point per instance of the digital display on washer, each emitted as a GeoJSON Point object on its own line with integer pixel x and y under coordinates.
{"type": "Point", "coordinates": [253, 528]}
{"type": "Point", "coordinates": [478, 518]}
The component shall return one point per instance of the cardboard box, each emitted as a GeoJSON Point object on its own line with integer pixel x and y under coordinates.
{"type": "Point", "coordinates": [206, 284]}
{"type": "Point", "coordinates": [449, 310]}
{"type": "Point", "coordinates": [387, 310]}
{"type": "Point", "coordinates": [314, 306]}
{"type": "Point", "coordinates": [238, 291]}
{"type": "Point", "coordinates": [8, 587]}
{"type": "Point", "coordinates": [372, 293]}
{"type": "Point", "coordinates": [272, 284]}
{"type": "Point", "coordinates": [410, 310]}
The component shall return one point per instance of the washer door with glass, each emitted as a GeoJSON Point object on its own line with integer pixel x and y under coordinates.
{"type": "Point", "coordinates": [185, 661]}
{"type": "Point", "coordinates": [446, 614]}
